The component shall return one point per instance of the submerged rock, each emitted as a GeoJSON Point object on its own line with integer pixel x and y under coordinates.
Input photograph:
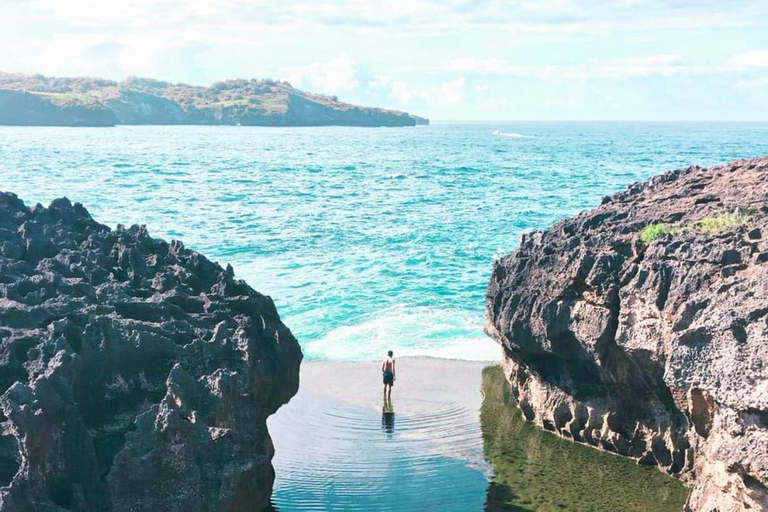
{"type": "Point", "coordinates": [536, 471]}
{"type": "Point", "coordinates": [136, 374]}
{"type": "Point", "coordinates": [641, 327]}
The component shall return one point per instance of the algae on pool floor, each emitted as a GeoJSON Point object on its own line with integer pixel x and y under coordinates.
{"type": "Point", "coordinates": [536, 471]}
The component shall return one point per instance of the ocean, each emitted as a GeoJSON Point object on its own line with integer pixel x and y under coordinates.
{"type": "Point", "coordinates": [367, 239]}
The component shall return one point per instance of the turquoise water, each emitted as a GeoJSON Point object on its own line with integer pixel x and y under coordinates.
{"type": "Point", "coordinates": [367, 239]}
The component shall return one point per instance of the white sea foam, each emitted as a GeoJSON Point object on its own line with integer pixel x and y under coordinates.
{"type": "Point", "coordinates": [409, 331]}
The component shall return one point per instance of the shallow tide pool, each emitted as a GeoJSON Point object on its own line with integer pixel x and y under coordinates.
{"type": "Point", "coordinates": [452, 440]}
{"type": "Point", "coordinates": [537, 471]}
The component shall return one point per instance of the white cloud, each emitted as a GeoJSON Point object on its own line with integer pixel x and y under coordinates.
{"type": "Point", "coordinates": [452, 93]}
{"type": "Point", "coordinates": [61, 51]}
{"type": "Point", "coordinates": [331, 77]}
{"type": "Point", "coordinates": [499, 102]}
{"type": "Point", "coordinates": [145, 14]}
{"type": "Point", "coordinates": [406, 16]}
{"type": "Point", "coordinates": [401, 91]}
{"type": "Point", "coordinates": [200, 41]}
{"type": "Point", "coordinates": [663, 64]}
{"type": "Point", "coordinates": [448, 93]}
{"type": "Point", "coordinates": [560, 103]}
{"type": "Point", "coordinates": [380, 81]}
{"type": "Point", "coordinates": [111, 55]}
{"type": "Point", "coordinates": [754, 59]}
{"type": "Point", "coordinates": [493, 66]}
{"type": "Point", "coordinates": [751, 84]}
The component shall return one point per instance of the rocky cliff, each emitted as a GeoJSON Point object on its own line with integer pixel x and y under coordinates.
{"type": "Point", "coordinates": [641, 327]}
{"type": "Point", "coordinates": [136, 375]}
{"type": "Point", "coordinates": [24, 109]}
{"type": "Point", "coordinates": [132, 107]}
{"type": "Point", "coordinates": [41, 100]}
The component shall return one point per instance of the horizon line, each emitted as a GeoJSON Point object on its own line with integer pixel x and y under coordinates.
{"type": "Point", "coordinates": [439, 120]}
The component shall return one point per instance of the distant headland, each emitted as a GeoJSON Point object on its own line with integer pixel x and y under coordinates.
{"type": "Point", "coordinates": [37, 100]}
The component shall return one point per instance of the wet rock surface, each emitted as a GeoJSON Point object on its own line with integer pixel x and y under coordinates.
{"type": "Point", "coordinates": [136, 374]}
{"type": "Point", "coordinates": [655, 349]}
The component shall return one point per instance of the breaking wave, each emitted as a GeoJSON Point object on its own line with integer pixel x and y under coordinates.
{"type": "Point", "coordinates": [408, 331]}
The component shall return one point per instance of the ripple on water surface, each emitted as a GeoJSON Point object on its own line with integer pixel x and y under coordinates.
{"type": "Point", "coordinates": [339, 448]}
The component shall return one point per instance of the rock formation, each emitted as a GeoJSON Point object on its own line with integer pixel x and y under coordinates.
{"type": "Point", "coordinates": [25, 109]}
{"type": "Point", "coordinates": [131, 107]}
{"type": "Point", "coordinates": [641, 327]}
{"type": "Point", "coordinates": [136, 375]}
{"type": "Point", "coordinates": [38, 100]}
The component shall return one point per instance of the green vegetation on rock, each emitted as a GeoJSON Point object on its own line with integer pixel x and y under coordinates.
{"type": "Point", "coordinates": [717, 223]}
{"type": "Point", "coordinates": [653, 231]}
{"type": "Point", "coordinates": [221, 103]}
{"type": "Point", "coordinates": [536, 471]}
{"type": "Point", "coordinates": [61, 98]}
{"type": "Point", "coordinates": [709, 225]}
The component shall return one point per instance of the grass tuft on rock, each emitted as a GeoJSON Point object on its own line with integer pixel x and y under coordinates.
{"type": "Point", "coordinates": [708, 225]}
{"type": "Point", "coordinates": [653, 231]}
{"type": "Point", "coordinates": [716, 223]}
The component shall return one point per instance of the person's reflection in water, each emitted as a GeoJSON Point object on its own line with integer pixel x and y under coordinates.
{"type": "Point", "coordinates": [388, 418]}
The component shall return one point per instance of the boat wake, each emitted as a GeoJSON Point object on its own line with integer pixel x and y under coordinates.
{"type": "Point", "coordinates": [511, 135]}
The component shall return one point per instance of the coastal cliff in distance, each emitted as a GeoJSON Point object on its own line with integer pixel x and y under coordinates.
{"type": "Point", "coordinates": [641, 327]}
{"type": "Point", "coordinates": [37, 100]}
{"type": "Point", "coordinates": [136, 375]}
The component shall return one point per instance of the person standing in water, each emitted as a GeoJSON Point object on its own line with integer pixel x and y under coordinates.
{"type": "Point", "coordinates": [388, 369]}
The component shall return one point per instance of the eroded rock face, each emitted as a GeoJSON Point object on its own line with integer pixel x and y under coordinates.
{"type": "Point", "coordinates": [20, 108]}
{"type": "Point", "coordinates": [136, 374]}
{"type": "Point", "coordinates": [656, 350]}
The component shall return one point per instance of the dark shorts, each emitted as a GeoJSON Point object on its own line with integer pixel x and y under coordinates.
{"type": "Point", "coordinates": [389, 378]}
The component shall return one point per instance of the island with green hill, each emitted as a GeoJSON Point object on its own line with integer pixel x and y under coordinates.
{"type": "Point", "coordinates": [37, 100]}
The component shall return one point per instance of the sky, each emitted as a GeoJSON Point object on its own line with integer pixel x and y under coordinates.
{"type": "Point", "coordinates": [450, 59]}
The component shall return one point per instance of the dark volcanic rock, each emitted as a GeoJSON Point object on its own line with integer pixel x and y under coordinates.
{"type": "Point", "coordinates": [657, 350]}
{"type": "Point", "coordinates": [136, 374]}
